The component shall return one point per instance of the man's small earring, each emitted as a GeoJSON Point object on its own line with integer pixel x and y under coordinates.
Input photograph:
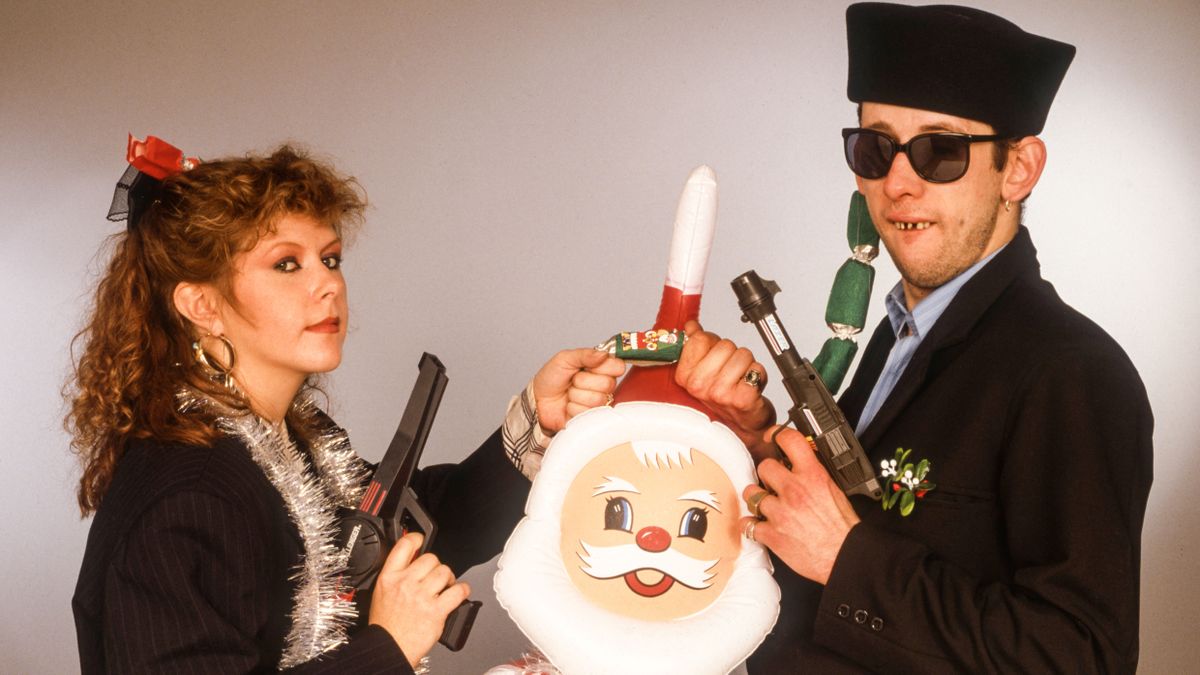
{"type": "Point", "coordinates": [1007, 206]}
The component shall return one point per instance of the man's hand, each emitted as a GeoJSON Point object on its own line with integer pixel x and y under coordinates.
{"type": "Point", "coordinates": [572, 381]}
{"type": "Point", "coordinates": [412, 598]}
{"type": "Point", "coordinates": [713, 370]}
{"type": "Point", "coordinates": [808, 517]}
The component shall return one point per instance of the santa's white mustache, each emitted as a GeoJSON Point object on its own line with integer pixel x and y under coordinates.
{"type": "Point", "coordinates": [610, 562]}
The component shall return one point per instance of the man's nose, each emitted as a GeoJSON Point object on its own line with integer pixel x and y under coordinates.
{"type": "Point", "coordinates": [901, 179]}
{"type": "Point", "coordinates": [653, 538]}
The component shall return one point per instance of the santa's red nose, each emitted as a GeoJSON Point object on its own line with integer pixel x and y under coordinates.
{"type": "Point", "coordinates": [653, 539]}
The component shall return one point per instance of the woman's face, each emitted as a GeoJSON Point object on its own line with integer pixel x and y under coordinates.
{"type": "Point", "coordinates": [291, 312]}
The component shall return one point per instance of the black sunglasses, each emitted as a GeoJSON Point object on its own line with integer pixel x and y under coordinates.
{"type": "Point", "coordinates": [939, 157]}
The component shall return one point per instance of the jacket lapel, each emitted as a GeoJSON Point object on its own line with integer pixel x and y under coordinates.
{"type": "Point", "coordinates": [874, 358]}
{"type": "Point", "coordinates": [960, 317]}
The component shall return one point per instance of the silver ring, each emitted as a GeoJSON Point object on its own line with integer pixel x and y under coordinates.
{"type": "Point", "coordinates": [749, 531]}
{"type": "Point", "coordinates": [752, 378]}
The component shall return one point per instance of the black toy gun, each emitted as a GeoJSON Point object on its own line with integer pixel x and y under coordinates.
{"type": "Point", "coordinates": [814, 412]}
{"type": "Point", "coordinates": [390, 508]}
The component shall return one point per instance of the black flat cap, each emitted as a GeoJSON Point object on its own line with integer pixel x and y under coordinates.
{"type": "Point", "coordinates": [955, 60]}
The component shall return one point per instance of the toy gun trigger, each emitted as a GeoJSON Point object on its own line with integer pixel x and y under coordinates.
{"type": "Point", "coordinates": [410, 516]}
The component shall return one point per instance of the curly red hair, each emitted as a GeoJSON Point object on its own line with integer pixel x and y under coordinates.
{"type": "Point", "coordinates": [136, 348]}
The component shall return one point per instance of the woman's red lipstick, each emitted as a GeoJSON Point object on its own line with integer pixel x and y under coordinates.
{"type": "Point", "coordinates": [329, 325]}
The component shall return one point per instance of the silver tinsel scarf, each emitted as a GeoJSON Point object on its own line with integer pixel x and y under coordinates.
{"type": "Point", "coordinates": [321, 612]}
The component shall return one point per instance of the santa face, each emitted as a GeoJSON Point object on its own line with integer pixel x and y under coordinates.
{"type": "Point", "coordinates": [651, 531]}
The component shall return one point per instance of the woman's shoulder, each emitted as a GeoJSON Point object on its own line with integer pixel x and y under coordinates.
{"type": "Point", "coordinates": [151, 470]}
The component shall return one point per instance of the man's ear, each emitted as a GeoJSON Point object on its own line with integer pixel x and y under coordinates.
{"type": "Point", "coordinates": [199, 304]}
{"type": "Point", "coordinates": [1026, 160]}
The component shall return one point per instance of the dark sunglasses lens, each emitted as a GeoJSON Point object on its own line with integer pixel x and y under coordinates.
{"type": "Point", "coordinates": [940, 158]}
{"type": "Point", "coordinates": [869, 154]}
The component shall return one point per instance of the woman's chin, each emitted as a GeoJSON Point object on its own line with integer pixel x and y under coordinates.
{"type": "Point", "coordinates": [324, 364]}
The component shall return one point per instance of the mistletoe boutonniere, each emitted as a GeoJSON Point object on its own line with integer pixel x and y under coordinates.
{"type": "Point", "coordinates": [906, 483]}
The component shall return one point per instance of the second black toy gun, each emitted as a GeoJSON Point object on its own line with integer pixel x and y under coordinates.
{"type": "Point", "coordinates": [390, 508]}
{"type": "Point", "coordinates": [814, 412]}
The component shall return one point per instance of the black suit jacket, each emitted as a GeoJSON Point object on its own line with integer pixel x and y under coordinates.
{"type": "Point", "coordinates": [1025, 558]}
{"type": "Point", "coordinates": [189, 560]}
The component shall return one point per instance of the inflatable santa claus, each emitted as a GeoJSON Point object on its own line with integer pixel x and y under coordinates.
{"type": "Point", "coordinates": [629, 558]}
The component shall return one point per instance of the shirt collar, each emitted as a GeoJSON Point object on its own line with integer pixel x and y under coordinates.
{"type": "Point", "coordinates": [920, 320]}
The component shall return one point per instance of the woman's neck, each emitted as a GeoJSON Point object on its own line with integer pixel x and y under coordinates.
{"type": "Point", "coordinates": [270, 397]}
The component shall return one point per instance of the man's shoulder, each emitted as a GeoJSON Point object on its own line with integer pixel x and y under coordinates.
{"type": "Point", "coordinates": [1032, 308]}
{"type": "Point", "coordinates": [1031, 318]}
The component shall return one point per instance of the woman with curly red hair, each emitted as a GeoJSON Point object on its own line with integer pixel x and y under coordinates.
{"type": "Point", "coordinates": [215, 479]}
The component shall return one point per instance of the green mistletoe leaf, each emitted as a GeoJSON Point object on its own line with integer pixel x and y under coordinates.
{"type": "Point", "coordinates": [897, 490]}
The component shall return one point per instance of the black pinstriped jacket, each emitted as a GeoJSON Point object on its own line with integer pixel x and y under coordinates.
{"type": "Point", "coordinates": [188, 561]}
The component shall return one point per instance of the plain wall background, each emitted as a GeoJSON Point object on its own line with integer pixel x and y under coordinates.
{"type": "Point", "coordinates": [523, 160]}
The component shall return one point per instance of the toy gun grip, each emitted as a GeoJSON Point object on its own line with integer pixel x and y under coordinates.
{"type": "Point", "coordinates": [410, 516]}
{"type": "Point", "coordinates": [814, 412]}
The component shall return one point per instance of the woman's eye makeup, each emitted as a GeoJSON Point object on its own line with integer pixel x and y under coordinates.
{"type": "Point", "coordinates": [291, 262]}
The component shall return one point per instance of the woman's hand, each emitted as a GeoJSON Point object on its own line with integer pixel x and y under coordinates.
{"type": "Point", "coordinates": [412, 598]}
{"type": "Point", "coordinates": [572, 381]}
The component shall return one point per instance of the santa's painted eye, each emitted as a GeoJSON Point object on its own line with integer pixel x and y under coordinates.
{"type": "Point", "coordinates": [694, 524]}
{"type": "Point", "coordinates": [618, 515]}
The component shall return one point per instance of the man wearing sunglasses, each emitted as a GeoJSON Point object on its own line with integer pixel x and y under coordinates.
{"type": "Point", "coordinates": [1021, 549]}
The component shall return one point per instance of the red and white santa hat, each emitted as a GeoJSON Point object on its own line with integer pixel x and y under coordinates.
{"type": "Point", "coordinates": [691, 243]}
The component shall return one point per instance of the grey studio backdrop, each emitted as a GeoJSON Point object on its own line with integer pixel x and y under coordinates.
{"type": "Point", "coordinates": [523, 160]}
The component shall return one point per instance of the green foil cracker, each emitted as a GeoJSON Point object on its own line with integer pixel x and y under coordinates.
{"type": "Point", "coordinates": [850, 294]}
{"type": "Point", "coordinates": [659, 346]}
{"type": "Point", "coordinates": [859, 228]}
{"type": "Point", "coordinates": [834, 361]}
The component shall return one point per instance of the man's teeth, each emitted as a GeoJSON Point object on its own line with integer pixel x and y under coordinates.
{"type": "Point", "coordinates": [912, 226]}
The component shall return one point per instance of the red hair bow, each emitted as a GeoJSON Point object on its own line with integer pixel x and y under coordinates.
{"type": "Point", "coordinates": [157, 158]}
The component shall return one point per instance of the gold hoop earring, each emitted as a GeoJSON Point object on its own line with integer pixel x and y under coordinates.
{"type": "Point", "coordinates": [1007, 206]}
{"type": "Point", "coordinates": [216, 370]}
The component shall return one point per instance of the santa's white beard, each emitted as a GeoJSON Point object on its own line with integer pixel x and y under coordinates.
{"type": "Point", "coordinates": [580, 638]}
{"type": "Point", "coordinates": [610, 562]}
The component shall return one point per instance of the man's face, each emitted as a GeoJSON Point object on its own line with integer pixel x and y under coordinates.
{"type": "Point", "coordinates": [934, 231]}
{"type": "Point", "coordinates": [652, 542]}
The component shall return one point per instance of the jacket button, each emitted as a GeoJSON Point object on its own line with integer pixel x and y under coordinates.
{"type": "Point", "coordinates": [843, 610]}
{"type": "Point", "coordinates": [860, 616]}
{"type": "Point", "coordinates": [877, 624]}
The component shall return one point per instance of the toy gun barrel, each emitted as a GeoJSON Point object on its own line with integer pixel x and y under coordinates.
{"type": "Point", "coordinates": [814, 412]}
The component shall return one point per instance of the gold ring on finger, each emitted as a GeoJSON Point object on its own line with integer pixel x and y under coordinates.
{"type": "Point", "coordinates": [753, 378]}
{"type": "Point", "coordinates": [753, 501]}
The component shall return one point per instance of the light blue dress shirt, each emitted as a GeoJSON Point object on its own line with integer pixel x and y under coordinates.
{"type": "Point", "coordinates": [911, 328]}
